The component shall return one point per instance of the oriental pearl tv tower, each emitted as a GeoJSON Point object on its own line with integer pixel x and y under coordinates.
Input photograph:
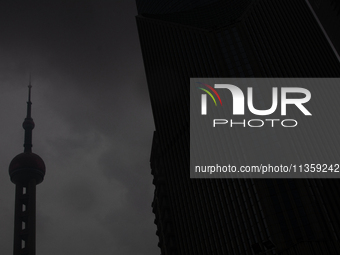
{"type": "Point", "coordinates": [26, 171]}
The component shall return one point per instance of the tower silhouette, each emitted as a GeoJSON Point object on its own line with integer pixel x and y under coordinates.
{"type": "Point", "coordinates": [26, 171]}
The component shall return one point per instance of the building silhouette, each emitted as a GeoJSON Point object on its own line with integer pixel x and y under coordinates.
{"type": "Point", "coordinates": [230, 38]}
{"type": "Point", "coordinates": [26, 171]}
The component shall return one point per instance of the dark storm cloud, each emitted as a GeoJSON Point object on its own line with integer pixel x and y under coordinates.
{"type": "Point", "coordinates": [93, 124]}
{"type": "Point", "coordinates": [79, 196]}
{"type": "Point", "coordinates": [77, 38]}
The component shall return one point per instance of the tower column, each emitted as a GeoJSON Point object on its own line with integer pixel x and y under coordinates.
{"type": "Point", "coordinates": [31, 214]}
{"type": "Point", "coordinates": [24, 220]}
{"type": "Point", "coordinates": [18, 218]}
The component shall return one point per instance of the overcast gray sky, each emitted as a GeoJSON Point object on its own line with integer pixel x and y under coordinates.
{"type": "Point", "coordinates": [93, 125]}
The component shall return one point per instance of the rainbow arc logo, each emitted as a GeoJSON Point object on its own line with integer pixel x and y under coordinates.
{"type": "Point", "coordinates": [204, 97]}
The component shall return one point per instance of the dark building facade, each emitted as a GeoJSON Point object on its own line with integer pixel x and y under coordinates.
{"type": "Point", "coordinates": [183, 39]}
{"type": "Point", "coordinates": [328, 13]}
{"type": "Point", "coordinates": [26, 171]}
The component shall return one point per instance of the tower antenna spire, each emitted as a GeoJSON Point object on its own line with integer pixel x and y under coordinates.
{"type": "Point", "coordinates": [29, 90]}
{"type": "Point", "coordinates": [28, 124]}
